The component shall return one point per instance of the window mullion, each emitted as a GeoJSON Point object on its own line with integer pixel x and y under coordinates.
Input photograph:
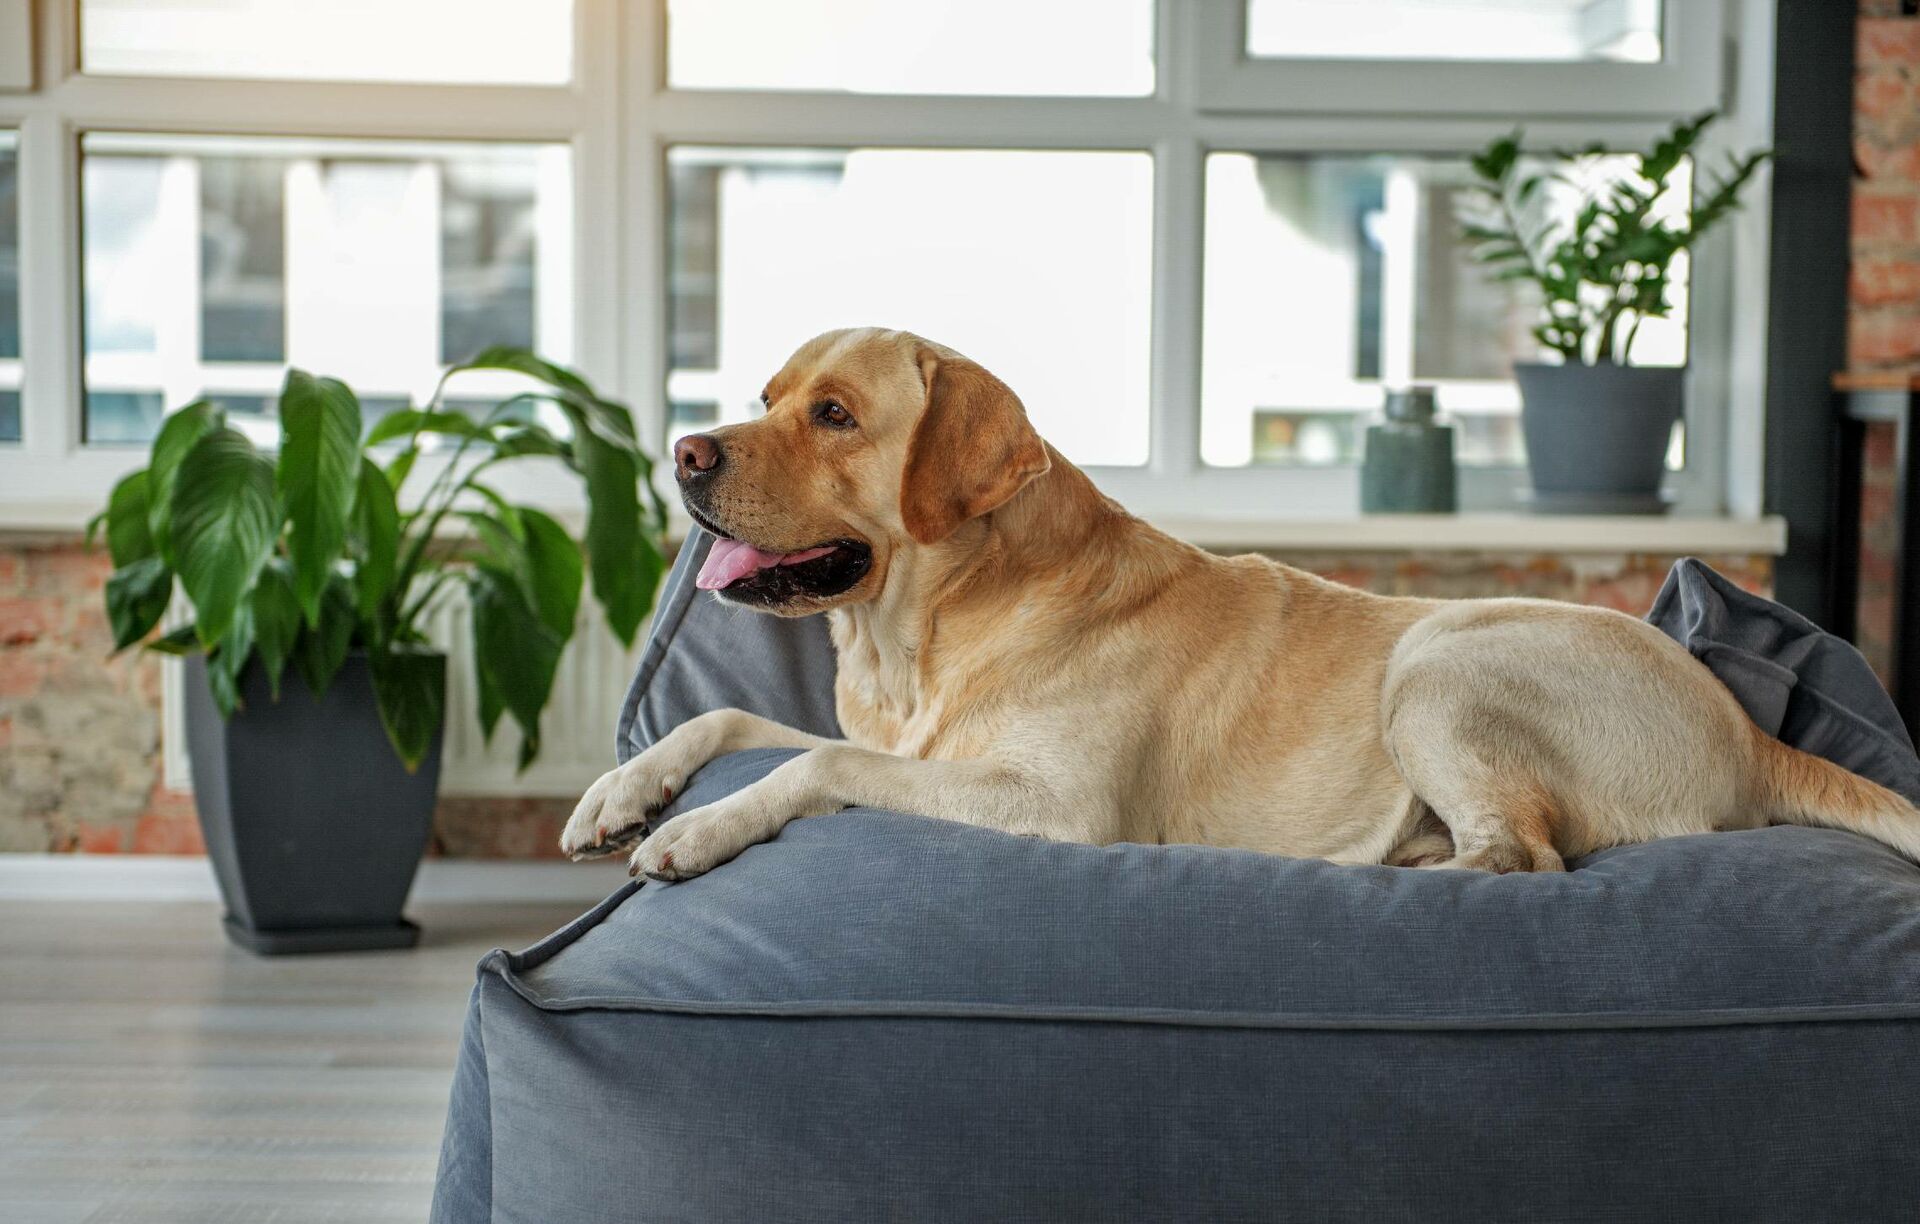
{"type": "Point", "coordinates": [49, 191]}
{"type": "Point", "coordinates": [1178, 193]}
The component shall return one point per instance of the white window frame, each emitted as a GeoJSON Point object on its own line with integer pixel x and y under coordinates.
{"type": "Point", "coordinates": [1685, 80]}
{"type": "Point", "coordinates": [620, 119]}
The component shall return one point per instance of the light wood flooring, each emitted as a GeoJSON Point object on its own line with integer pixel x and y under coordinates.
{"type": "Point", "coordinates": [151, 1072]}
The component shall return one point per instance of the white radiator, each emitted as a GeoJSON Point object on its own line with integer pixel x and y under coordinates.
{"type": "Point", "coordinates": [576, 731]}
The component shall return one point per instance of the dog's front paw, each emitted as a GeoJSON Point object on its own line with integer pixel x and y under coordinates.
{"type": "Point", "coordinates": [698, 841]}
{"type": "Point", "coordinates": [616, 810]}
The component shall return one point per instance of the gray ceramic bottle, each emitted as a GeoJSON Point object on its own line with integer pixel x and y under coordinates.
{"type": "Point", "coordinates": [1408, 467]}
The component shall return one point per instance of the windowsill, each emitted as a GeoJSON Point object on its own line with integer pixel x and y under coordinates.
{"type": "Point", "coordinates": [1489, 532]}
{"type": "Point", "coordinates": [1470, 532]}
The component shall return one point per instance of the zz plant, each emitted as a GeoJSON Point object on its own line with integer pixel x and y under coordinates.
{"type": "Point", "coordinates": [300, 558]}
{"type": "Point", "coordinates": [1604, 268]}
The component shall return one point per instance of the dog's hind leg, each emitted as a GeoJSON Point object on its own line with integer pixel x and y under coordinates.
{"type": "Point", "coordinates": [1427, 843]}
{"type": "Point", "coordinates": [1473, 778]}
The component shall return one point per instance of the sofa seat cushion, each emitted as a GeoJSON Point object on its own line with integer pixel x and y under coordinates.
{"type": "Point", "coordinates": [875, 913]}
{"type": "Point", "coordinates": [880, 1016]}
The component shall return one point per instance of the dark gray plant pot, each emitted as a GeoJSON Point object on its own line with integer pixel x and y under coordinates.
{"type": "Point", "coordinates": [1597, 436]}
{"type": "Point", "coordinates": [314, 827]}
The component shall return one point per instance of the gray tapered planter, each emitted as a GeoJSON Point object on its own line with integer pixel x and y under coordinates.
{"type": "Point", "coordinates": [1597, 436]}
{"type": "Point", "coordinates": [313, 826]}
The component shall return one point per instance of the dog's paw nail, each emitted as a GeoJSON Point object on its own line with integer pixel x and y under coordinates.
{"type": "Point", "coordinates": [669, 793]}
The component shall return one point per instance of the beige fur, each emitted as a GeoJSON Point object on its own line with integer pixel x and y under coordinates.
{"type": "Point", "coordinates": [1024, 654]}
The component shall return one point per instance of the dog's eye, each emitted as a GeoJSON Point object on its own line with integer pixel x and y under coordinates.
{"type": "Point", "coordinates": [830, 413]}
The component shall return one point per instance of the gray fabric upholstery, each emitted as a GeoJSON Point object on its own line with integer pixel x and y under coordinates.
{"type": "Point", "coordinates": [703, 655]}
{"type": "Point", "coordinates": [879, 1016]}
{"type": "Point", "coordinates": [1797, 681]}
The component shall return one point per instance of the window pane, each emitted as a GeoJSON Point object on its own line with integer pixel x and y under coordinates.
{"type": "Point", "coordinates": [210, 262]}
{"type": "Point", "coordinates": [480, 42]}
{"type": "Point", "coordinates": [1080, 48]}
{"type": "Point", "coordinates": [1550, 30]}
{"type": "Point", "coordinates": [1038, 265]}
{"type": "Point", "coordinates": [9, 288]}
{"type": "Point", "coordinates": [1332, 278]}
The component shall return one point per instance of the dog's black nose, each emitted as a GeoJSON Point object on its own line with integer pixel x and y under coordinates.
{"type": "Point", "coordinates": [695, 455]}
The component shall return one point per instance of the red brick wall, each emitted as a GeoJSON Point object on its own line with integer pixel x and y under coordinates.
{"type": "Point", "coordinates": [1883, 325]}
{"type": "Point", "coordinates": [80, 760]}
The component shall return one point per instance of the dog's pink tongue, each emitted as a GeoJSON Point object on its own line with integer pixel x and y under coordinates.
{"type": "Point", "coordinates": [731, 560]}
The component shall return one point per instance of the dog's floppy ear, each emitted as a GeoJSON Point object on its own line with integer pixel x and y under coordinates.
{"type": "Point", "coordinates": [971, 450]}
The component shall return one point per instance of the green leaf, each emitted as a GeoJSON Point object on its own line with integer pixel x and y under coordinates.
{"type": "Point", "coordinates": [178, 434]}
{"type": "Point", "coordinates": [318, 474]}
{"type": "Point", "coordinates": [223, 526]}
{"type": "Point", "coordinates": [376, 523]}
{"type": "Point", "coordinates": [517, 654]}
{"type": "Point", "coordinates": [129, 533]}
{"type": "Point", "coordinates": [603, 417]}
{"type": "Point", "coordinates": [178, 642]}
{"type": "Point", "coordinates": [401, 467]}
{"type": "Point", "coordinates": [322, 648]}
{"type": "Point", "coordinates": [137, 596]}
{"type": "Point", "coordinates": [554, 571]}
{"type": "Point", "coordinates": [276, 620]}
{"type": "Point", "coordinates": [410, 688]}
{"type": "Point", "coordinates": [532, 440]}
{"type": "Point", "coordinates": [225, 664]}
{"type": "Point", "coordinates": [617, 549]}
{"type": "Point", "coordinates": [405, 422]}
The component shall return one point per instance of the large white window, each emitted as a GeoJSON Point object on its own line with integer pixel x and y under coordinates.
{"type": "Point", "coordinates": [1202, 238]}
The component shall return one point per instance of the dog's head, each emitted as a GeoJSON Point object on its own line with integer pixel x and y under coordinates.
{"type": "Point", "coordinates": [873, 442]}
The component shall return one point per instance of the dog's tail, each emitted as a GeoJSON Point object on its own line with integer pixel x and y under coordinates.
{"type": "Point", "coordinates": [1797, 787]}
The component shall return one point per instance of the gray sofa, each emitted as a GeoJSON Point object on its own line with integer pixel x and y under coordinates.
{"type": "Point", "coordinates": [883, 1017]}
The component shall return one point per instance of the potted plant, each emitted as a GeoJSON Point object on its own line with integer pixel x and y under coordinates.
{"type": "Point", "coordinates": [313, 570]}
{"type": "Point", "coordinates": [1598, 249]}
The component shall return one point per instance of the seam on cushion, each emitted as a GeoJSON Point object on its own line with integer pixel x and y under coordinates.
{"type": "Point", "coordinates": [506, 963]}
{"type": "Point", "coordinates": [662, 635]}
{"type": "Point", "coordinates": [1183, 1018]}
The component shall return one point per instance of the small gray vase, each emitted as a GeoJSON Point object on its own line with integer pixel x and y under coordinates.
{"type": "Point", "coordinates": [1597, 436]}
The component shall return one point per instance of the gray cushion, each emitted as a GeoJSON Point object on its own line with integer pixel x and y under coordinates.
{"type": "Point", "coordinates": [881, 1016]}
{"type": "Point", "coordinates": [1797, 681]}
{"type": "Point", "coordinates": [702, 654]}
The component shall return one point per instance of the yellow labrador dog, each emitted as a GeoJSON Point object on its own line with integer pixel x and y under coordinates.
{"type": "Point", "coordinates": [1015, 650]}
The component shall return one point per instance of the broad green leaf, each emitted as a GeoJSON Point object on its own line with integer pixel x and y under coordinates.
{"type": "Point", "coordinates": [318, 474]}
{"type": "Point", "coordinates": [178, 435]}
{"type": "Point", "coordinates": [225, 664]}
{"type": "Point", "coordinates": [405, 422]}
{"type": "Point", "coordinates": [516, 653]}
{"type": "Point", "coordinates": [491, 704]}
{"type": "Point", "coordinates": [276, 620]}
{"type": "Point", "coordinates": [376, 519]}
{"type": "Point", "coordinates": [500, 544]}
{"type": "Point", "coordinates": [611, 421]}
{"type": "Point", "coordinates": [137, 596]}
{"type": "Point", "coordinates": [129, 534]}
{"type": "Point", "coordinates": [223, 526]}
{"type": "Point", "coordinates": [410, 688]}
{"type": "Point", "coordinates": [532, 440]}
{"type": "Point", "coordinates": [178, 642]}
{"type": "Point", "coordinates": [322, 648]}
{"type": "Point", "coordinates": [401, 467]}
{"type": "Point", "coordinates": [554, 571]}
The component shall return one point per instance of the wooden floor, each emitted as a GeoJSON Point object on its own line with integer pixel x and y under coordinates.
{"type": "Point", "coordinates": [150, 1072]}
